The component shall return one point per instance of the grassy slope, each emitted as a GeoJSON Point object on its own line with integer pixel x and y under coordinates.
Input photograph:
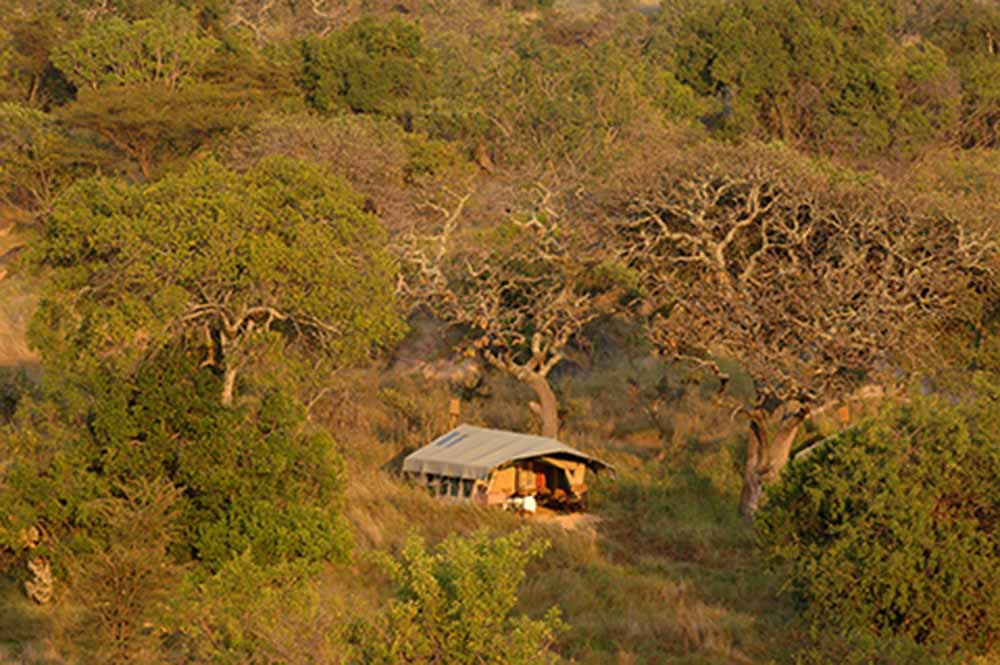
{"type": "Point", "coordinates": [669, 575]}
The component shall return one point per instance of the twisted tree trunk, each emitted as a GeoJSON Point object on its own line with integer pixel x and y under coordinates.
{"type": "Point", "coordinates": [228, 384]}
{"type": "Point", "coordinates": [547, 406]}
{"type": "Point", "coordinates": [766, 455]}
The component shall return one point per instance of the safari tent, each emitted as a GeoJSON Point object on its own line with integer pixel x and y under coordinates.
{"type": "Point", "coordinates": [493, 467]}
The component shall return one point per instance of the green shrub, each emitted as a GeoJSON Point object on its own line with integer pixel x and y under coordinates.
{"type": "Point", "coordinates": [247, 613]}
{"type": "Point", "coordinates": [255, 478]}
{"type": "Point", "coordinates": [830, 76]}
{"type": "Point", "coordinates": [454, 605]}
{"type": "Point", "coordinates": [863, 648]}
{"type": "Point", "coordinates": [122, 585]}
{"type": "Point", "coordinates": [893, 526]}
{"type": "Point", "coordinates": [372, 66]}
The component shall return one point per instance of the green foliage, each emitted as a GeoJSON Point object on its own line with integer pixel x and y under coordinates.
{"type": "Point", "coordinates": [392, 168]}
{"type": "Point", "coordinates": [38, 159]}
{"type": "Point", "coordinates": [566, 108]}
{"type": "Point", "coordinates": [167, 49]}
{"type": "Point", "coordinates": [281, 251]}
{"type": "Point", "coordinates": [863, 648]}
{"type": "Point", "coordinates": [372, 66]}
{"type": "Point", "coordinates": [929, 93]}
{"type": "Point", "coordinates": [246, 612]}
{"type": "Point", "coordinates": [27, 75]}
{"type": "Point", "coordinates": [157, 88]}
{"type": "Point", "coordinates": [255, 479]}
{"type": "Point", "coordinates": [454, 605]}
{"type": "Point", "coordinates": [967, 31]}
{"type": "Point", "coordinates": [892, 526]}
{"type": "Point", "coordinates": [185, 530]}
{"type": "Point", "coordinates": [152, 125]}
{"type": "Point", "coordinates": [830, 75]}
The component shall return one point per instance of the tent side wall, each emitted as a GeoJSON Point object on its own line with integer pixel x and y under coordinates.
{"type": "Point", "coordinates": [501, 485]}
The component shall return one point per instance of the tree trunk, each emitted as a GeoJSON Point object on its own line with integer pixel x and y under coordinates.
{"type": "Point", "coordinates": [144, 163]}
{"type": "Point", "coordinates": [752, 477]}
{"type": "Point", "coordinates": [547, 406]}
{"type": "Point", "coordinates": [229, 384]}
{"type": "Point", "coordinates": [766, 456]}
{"type": "Point", "coordinates": [36, 84]}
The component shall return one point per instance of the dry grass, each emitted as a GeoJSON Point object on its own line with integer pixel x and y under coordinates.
{"type": "Point", "coordinates": [666, 575]}
{"type": "Point", "coordinates": [28, 631]}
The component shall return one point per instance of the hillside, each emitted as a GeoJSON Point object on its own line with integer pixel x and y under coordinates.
{"type": "Point", "coordinates": [253, 254]}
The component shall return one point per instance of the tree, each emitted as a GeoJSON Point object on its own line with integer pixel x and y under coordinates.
{"type": "Point", "coordinates": [523, 289]}
{"type": "Point", "coordinates": [819, 283]}
{"type": "Point", "coordinates": [150, 124]}
{"type": "Point", "coordinates": [27, 39]}
{"type": "Point", "coordinates": [391, 168]}
{"type": "Point", "coordinates": [282, 252]}
{"type": "Point", "coordinates": [372, 66]}
{"type": "Point", "coordinates": [254, 479]}
{"type": "Point", "coordinates": [38, 159]}
{"type": "Point", "coordinates": [113, 52]}
{"type": "Point", "coordinates": [830, 76]}
{"type": "Point", "coordinates": [969, 32]}
{"type": "Point", "coordinates": [541, 107]}
{"type": "Point", "coordinates": [143, 87]}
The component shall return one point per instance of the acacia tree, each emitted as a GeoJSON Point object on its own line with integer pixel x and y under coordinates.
{"type": "Point", "coordinates": [524, 289]}
{"type": "Point", "coordinates": [219, 259]}
{"type": "Point", "coordinates": [142, 87]}
{"type": "Point", "coordinates": [818, 285]}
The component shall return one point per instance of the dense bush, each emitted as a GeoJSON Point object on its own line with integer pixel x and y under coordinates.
{"type": "Point", "coordinates": [256, 478]}
{"type": "Point", "coordinates": [373, 66]}
{"type": "Point", "coordinates": [248, 613]}
{"type": "Point", "coordinates": [827, 75]}
{"type": "Point", "coordinates": [455, 604]}
{"type": "Point", "coordinates": [895, 525]}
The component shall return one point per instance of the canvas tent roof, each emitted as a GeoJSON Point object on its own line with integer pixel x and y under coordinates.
{"type": "Point", "coordinates": [472, 452]}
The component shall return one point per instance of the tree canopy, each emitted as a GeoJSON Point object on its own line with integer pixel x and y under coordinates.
{"type": "Point", "coordinates": [220, 258]}
{"type": "Point", "coordinates": [815, 283]}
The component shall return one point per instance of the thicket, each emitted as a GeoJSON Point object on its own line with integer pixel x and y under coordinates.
{"type": "Point", "coordinates": [256, 477]}
{"type": "Point", "coordinates": [892, 526]}
{"type": "Point", "coordinates": [455, 604]}
{"type": "Point", "coordinates": [129, 484]}
{"type": "Point", "coordinates": [372, 66]}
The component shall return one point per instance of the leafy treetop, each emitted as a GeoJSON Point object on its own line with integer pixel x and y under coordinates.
{"type": "Point", "coordinates": [219, 256]}
{"type": "Point", "coordinates": [112, 51]}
